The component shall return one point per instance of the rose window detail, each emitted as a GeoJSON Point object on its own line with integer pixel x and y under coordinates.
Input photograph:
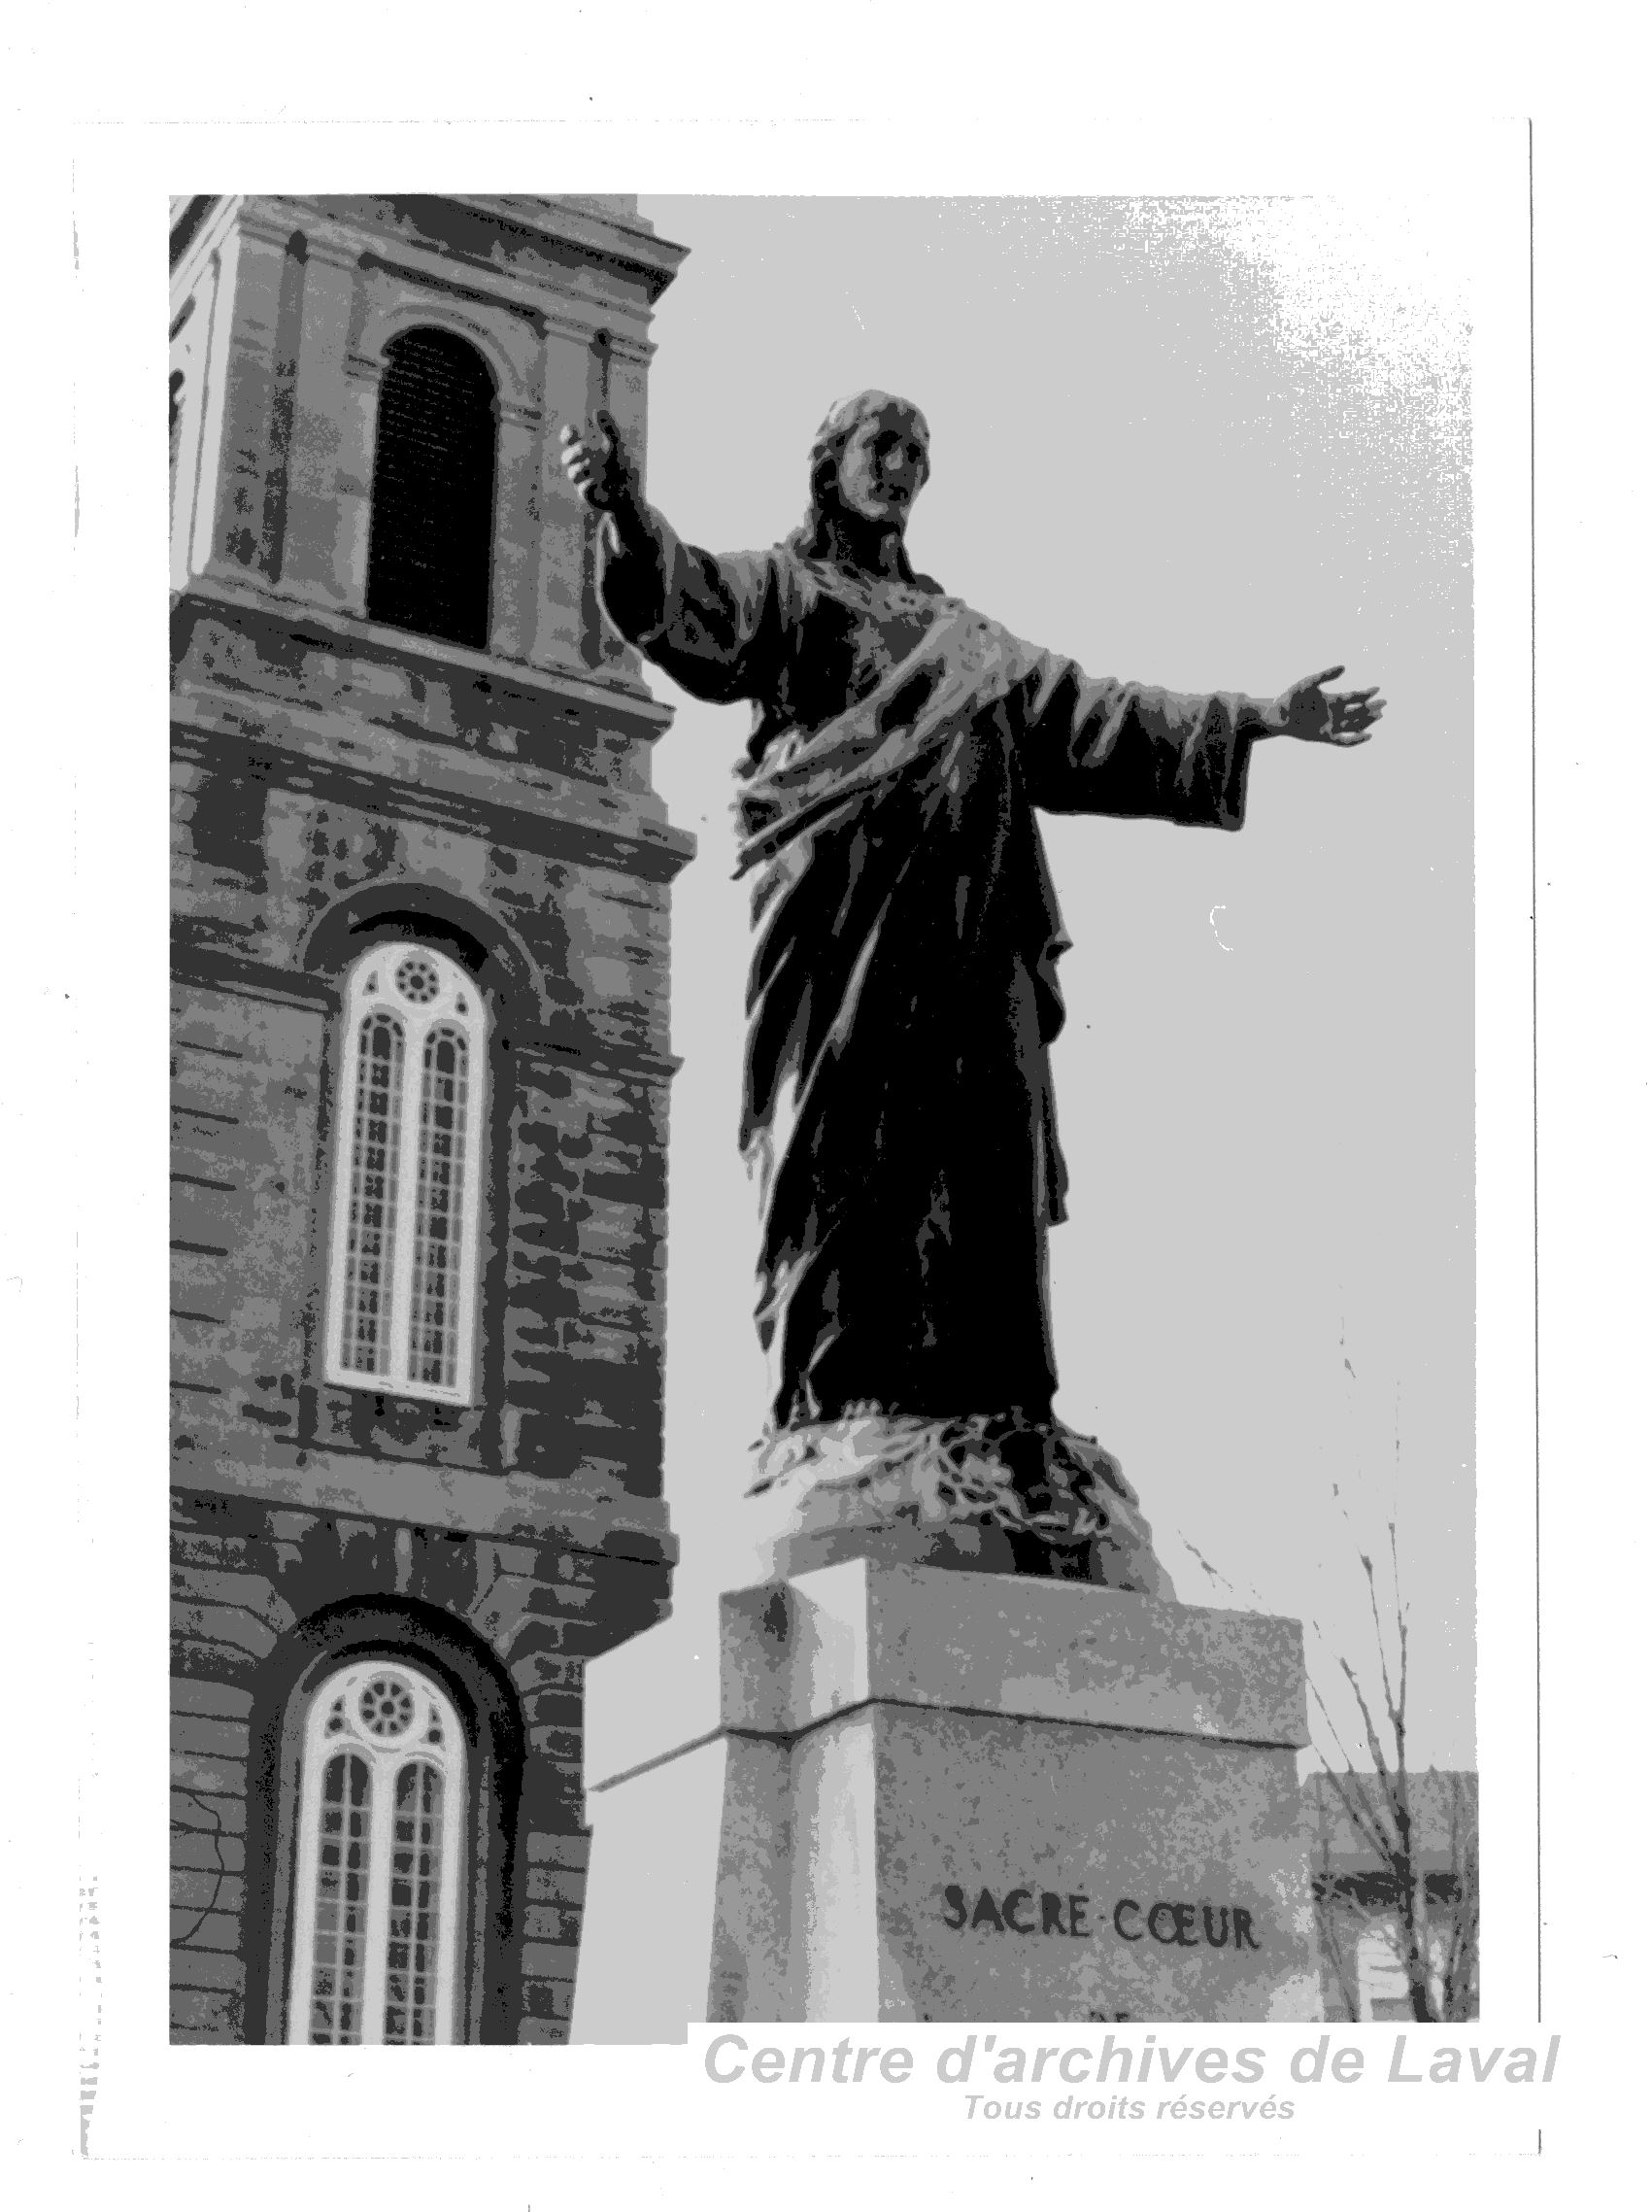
{"type": "Point", "coordinates": [418, 978]}
{"type": "Point", "coordinates": [385, 1707]}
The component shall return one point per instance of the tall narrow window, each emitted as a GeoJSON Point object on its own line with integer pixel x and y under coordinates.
{"type": "Point", "coordinates": [407, 1181]}
{"type": "Point", "coordinates": [376, 1932]}
{"type": "Point", "coordinates": [430, 543]}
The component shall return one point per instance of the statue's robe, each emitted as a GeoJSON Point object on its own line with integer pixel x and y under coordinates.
{"type": "Point", "coordinates": [902, 995]}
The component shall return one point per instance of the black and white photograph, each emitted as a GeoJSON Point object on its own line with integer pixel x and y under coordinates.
{"type": "Point", "coordinates": [422, 1208]}
{"type": "Point", "coordinates": [847, 1471]}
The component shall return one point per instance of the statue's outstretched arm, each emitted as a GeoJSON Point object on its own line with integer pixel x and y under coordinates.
{"type": "Point", "coordinates": [607, 478]}
{"type": "Point", "coordinates": [598, 465]}
{"type": "Point", "coordinates": [1097, 746]}
{"type": "Point", "coordinates": [710, 622]}
{"type": "Point", "coordinates": [1306, 710]}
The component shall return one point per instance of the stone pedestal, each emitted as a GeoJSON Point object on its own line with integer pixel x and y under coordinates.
{"type": "Point", "coordinates": [885, 1792]}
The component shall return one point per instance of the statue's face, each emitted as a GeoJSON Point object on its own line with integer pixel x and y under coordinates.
{"type": "Point", "coordinates": [884, 466]}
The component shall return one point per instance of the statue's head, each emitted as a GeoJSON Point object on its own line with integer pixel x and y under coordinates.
{"type": "Point", "coordinates": [869, 461]}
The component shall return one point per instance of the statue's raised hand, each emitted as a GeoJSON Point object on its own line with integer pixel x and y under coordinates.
{"type": "Point", "coordinates": [1306, 709]}
{"type": "Point", "coordinates": [600, 470]}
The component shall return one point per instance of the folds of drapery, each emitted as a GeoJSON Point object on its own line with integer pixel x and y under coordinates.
{"type": "Point", "coordinates": [902, 998]}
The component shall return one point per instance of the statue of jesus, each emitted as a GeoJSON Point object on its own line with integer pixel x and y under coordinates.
{"type": "Point", "coordinates": [902, 999]}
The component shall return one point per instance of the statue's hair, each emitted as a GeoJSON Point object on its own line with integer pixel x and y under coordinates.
{"type": "Point", "coordinates": [812, 539]}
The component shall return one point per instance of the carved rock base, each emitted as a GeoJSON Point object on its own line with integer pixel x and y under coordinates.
{"type": "Point", "coordinates": [1000, 1496]}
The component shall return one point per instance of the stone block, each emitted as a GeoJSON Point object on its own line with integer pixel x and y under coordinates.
{"type": "Point", "coordinates": [210, 1698]}
{"type": "Point", "coordinates": [878, 1792]}
{"type": "Point", "coordinates": [572, 1851]}
{"type": "Point", "coordinates": [209, 1776]}
{"type": "Point", "coordinates": [211, 1854]}
{"type": "Point", "coordinates": [552, 1965]}
{"type": "Point", "coordinates": [205, 2016]}
{"type": "Point", "coordinates": [200, 1889]}
{"type": "Point", "coordinates": [217, 1739]}
{"type": "Point", "coordinates": [555, 1885]}
{"type": "Point", "coordinates": [216, 1816]}
{"type": "Point", "coordinates": [551, 1923]}
{"type": "Point", "coordinates": [195, 1929]}
{"type": "Point", "coordinates": [206, 1970]}
{"type": "Point", "coordinates": [548, 2001]}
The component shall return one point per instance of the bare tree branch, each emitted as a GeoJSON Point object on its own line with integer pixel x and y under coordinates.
{"type": "Point", "coordinates": [1381, 1639]}
{"type": "Point", "coordinates": [1439, 1949]}
{"type": "Point", "coordinates": [1331, 1933]}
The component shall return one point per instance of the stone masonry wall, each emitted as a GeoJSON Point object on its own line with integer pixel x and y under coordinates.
{"type": "Point", "coordinates": [306, 778]}
{"type": "Point", "coordinates": [333, 778]}
{"type": "Point", "coordinates": [573, 1287]}
{"type": "Point", "coordinates": [246, 1575]}
{"type": "Point", "coordinates": [290, 799]}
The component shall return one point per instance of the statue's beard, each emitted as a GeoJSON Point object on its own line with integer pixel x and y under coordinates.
{"type": "Point", "coordinates": [859, 541]}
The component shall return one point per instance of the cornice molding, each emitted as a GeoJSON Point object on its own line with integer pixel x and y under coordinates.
{"type": "Point", "coordinates": [596, 238]}
{"type": "Point", "coordinates": [633, 245]}
{"type": "Point", "coordinates": [529, 816]}
{"type": "Point", "coordinates": [198, 966]}
{"type": "Point", "coordinates": [603, 236]}
{"type": "Point", "coordinates": [589, 1516]}
{"type": "Point", "coordinates": [431, 272]}
{"type": "Point", "coordinates": [635, 709]}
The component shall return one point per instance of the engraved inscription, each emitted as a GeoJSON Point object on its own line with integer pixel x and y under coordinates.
{"type": "Point", "coordinates": [1026, 1911]}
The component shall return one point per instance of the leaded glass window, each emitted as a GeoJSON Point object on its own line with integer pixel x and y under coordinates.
{"type": "Point", "coordinates": [377, 1922]}
{"type": "Point", "coordinates": [402, 1305]}
{"type": "Point", "coordinates": [438, 1234]}
{"type": "Point", "coordinates": [370, 1229]}
{"type": "Point", "coordinates": [338, 1920]}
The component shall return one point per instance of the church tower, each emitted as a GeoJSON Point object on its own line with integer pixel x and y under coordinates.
{"type": "Point", "coordinates": [421, 1063]}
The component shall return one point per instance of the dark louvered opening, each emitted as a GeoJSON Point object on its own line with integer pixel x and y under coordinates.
{"type": "Point", "coordinates": [431, 543]}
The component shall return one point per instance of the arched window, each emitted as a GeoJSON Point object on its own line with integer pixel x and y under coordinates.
{"type": "Point", "coordinates": [377, 1908]}
{"type": "Point", "coordinates": [407, 1182]}
{"type": "Point", "coordinates": [431, 544]}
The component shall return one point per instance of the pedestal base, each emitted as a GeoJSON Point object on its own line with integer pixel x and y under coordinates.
{"type": "Point", "coordinates": [878, 1792]}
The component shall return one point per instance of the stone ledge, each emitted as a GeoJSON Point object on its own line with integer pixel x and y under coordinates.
{"type": "Point", "coordinates": [587, 1517]}
{"type": "Point", "coordinates": [632, 705]}
{"type": "Point", "coordinates": [430, 779]}
{"type": "Point", "coordinates": [779, 1660]}
{"type": "Point", "coordinates": [631, 240]}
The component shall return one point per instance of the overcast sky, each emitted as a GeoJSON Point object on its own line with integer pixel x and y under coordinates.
{"type": "Point", "coordinates": [1207, 444]}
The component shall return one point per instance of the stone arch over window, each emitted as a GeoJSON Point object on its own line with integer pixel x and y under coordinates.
{"type": "Point", "coordinates": [409, 1148]}
{"type": "Point", "coordinates": [509, 347]}
{"type": "Point", "coordinates": [472, 934]}
{"type": "Point", "coordinates": [430, 533]}
{"type": "Point", "coordinates": [340, 1651]}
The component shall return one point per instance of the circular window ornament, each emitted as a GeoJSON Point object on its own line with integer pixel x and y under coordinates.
{"type": "Point", "coordinates": [385, 1707]}
{"type": "Point", "coordinates": [418, 978]}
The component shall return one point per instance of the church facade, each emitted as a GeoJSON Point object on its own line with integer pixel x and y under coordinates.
{"type": "Point", "coordinates": [421, 1066]}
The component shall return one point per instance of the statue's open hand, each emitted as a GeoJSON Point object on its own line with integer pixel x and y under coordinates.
{"type": "Point", "coordinates": [596, 464]}
{"type": "Point", "coordinates": [1306, 709]}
